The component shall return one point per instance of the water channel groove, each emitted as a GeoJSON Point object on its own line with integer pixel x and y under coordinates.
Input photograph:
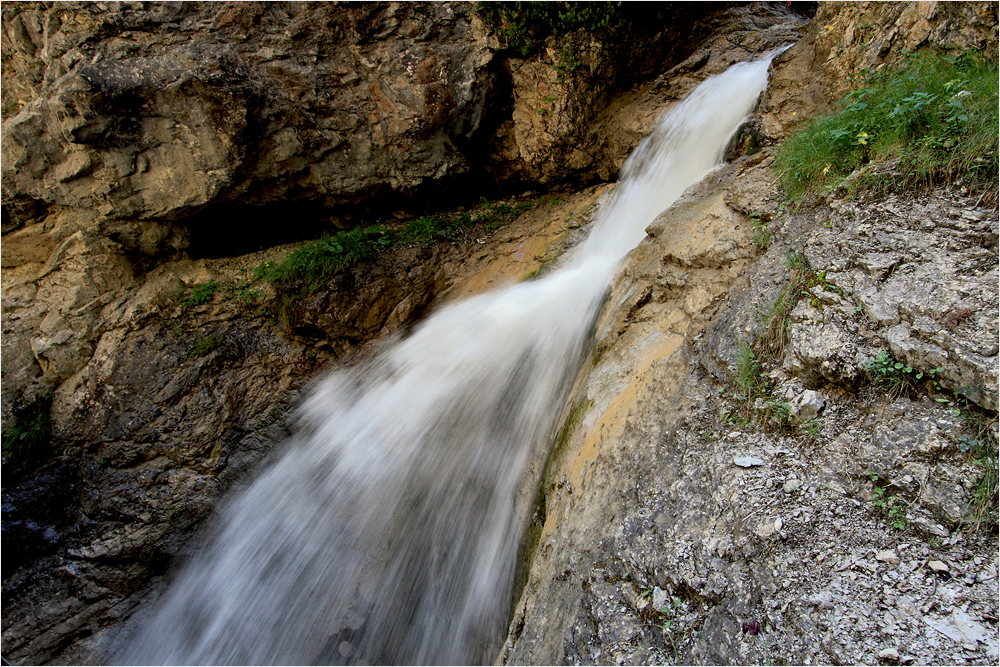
{"type": "Point", "coordinates": [386, 531]}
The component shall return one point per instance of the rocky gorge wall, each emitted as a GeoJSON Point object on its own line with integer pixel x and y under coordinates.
{"type": "Point", "coordinates": [140, 139]}
{"type": "Point", "coordinates": [148, 147]}
{"type": "Point", "coordinates": [681, 521]}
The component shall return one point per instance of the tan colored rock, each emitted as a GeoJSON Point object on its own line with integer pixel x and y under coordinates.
{"type": "Point", "coordinates": [641, 358]}
{"type": "Point", "coordinates": [569, 118]}
{"type": "Point", "coordinates": [847, 39]}
{"type": "Point", "coordinates": [156, 128]}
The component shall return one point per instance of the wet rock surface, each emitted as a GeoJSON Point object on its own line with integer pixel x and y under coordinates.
{"type": "Point", "coordinates": [181, 400]}
{"type": "Point", "coordinates": [674, 532]}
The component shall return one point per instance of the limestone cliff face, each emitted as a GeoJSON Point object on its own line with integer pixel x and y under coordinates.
{"type": "Point", "coordinates": [150, 112]}
{"type": "Point", "coordinates": [671, 530]}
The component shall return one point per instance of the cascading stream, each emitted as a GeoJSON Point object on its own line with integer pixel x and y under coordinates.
{"type": "Point", "coordinates": [386, 532]}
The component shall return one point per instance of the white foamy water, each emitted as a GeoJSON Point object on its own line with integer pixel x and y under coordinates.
{"type": "Point", "coordinates": [386, 532]}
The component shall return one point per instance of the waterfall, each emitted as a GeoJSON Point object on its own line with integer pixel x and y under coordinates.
{"type": "Point", "coordinates": [386, 531]}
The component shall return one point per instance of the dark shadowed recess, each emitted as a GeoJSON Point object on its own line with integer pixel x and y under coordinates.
{"type": "Point", "coordinates": [233, 230]}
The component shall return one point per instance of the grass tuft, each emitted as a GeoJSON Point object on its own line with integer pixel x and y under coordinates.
{"type": "Point", "coordinates": [936, 115]}
{"type": "Point", "coordinates": [980, 441]}
{"type": "Point", "coordinates": [747, 378]}
{"type": "Point", "coordinates": [28, 439]}
{"type": "Point", "coordinates": [312, 263]}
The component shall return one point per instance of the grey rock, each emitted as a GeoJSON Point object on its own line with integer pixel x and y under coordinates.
{"type": "Point", "coordinates": [937, 566]}
{"type": "Point", "coordinates": [808, 404]}
{"type": "Point", "coordinates": [888, 654]}
{"type": "Point", "coordinates": [748, 461]}
{"type": "Point", "coordinates": [660, 598]}
{"type": "Point", "coordinates": [823, 600]}
{"type": "Point", "coordinates": [960, 627]}
{"type": "Point", "coordinates": [929, 311]}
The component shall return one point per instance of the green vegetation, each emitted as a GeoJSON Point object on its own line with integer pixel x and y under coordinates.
{"type": "Point", "coordinates": [776, 317]}
{"type": "Point", "coordinates": [28, 439]}
{"type": "Point", "coordinates": [748, 378]}
{"type": "Point", "coordinates": [200, 295]}
{"type": "Point", "coordinates": [984, 495]}
{"type": "Point", "coordinates": [665, 617]}
{"type": "Point", "coordinates": [203, 346]}
{"type": "Point", "coordinates": [524, 26]}
{"type": "Point", "coordinates": [761, 233]}
{"type": "Point", "coordinates": [979, 442]}
{"type": "Point", "coordinates": [896, 378]}
{"type": "Point", "coordinates": [936, 115]}
{"type": "Point", "coordinates": [312, 263]}
{"type": "Point", "coordinates": [891, 505]}
{"type": "Point", "coordinates": [246, 294]}
{"type": "Point", "coordinates": [319, 260]}
{"type": "Point", "coordinates": [562, 440]}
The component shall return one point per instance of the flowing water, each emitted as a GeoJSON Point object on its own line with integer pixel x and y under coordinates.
{"type": "Point", "coordinates": [386, 532]}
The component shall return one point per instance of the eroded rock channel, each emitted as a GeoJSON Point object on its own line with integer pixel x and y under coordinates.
{"type": "Point", "coordinates": [676, 522]}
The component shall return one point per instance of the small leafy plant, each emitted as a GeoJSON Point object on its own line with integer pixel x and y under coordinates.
{"type": "Point", "coordinates": [891, 505]}
{"type": "Point", "coordinates": [896, 378]}
{"type": "Point", "coordinates": [749, 383]}
{"type": "Point", "coordinates": [28, 439]}
{"type": "Point", "coordinates": [246, 294]}
{"type": "Point", "coordinates": [200, 295]}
